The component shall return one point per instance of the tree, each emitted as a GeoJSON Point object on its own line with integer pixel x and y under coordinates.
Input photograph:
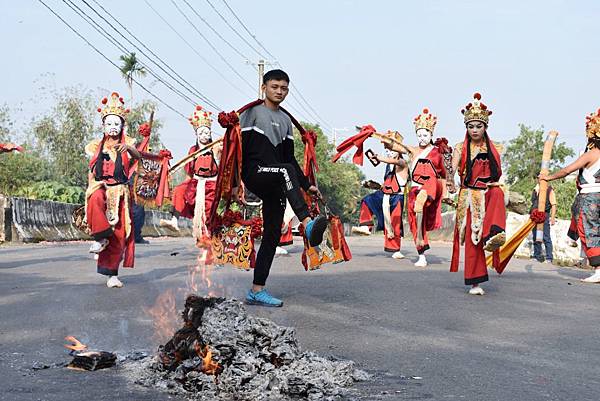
{"type": "Point", "coordinates": [340, 183]}
{"type": "Point", "coordinates": [17, 170]}
{"type": "Point", "coordinates": [141, 114]}
{"type": "Point", "coordinates": [522, 160]}
{"type": "Point", "coordinates": [131, 68]}
{"type": "Point", "coordinates": [61, 135]}
{"type": "Point", "coordinates": [6, 124]}
{"type": "Point", "coordinates": [523, 155]}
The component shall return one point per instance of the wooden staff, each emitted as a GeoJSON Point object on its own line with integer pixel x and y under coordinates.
{"type": "Point", "coordinates": [389, 139]}
{"type": "Point", "coordinates": [192, 156]}
{"type": "Point", "coordinates": [543, 185]}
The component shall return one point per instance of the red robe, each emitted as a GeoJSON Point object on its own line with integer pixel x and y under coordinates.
{"type": "Point", "coordinates": [203, 171]}
{"type": "Point", "coordinates": [427, 172]}
{"type": "Point", "coordinates": [184, 195]}
{"type": "Point", "coordinates": [108, 207]}
{"type": "Point", "coordinates": [480, 213]}
{"type": "Point", "coordinates": [390, 197]}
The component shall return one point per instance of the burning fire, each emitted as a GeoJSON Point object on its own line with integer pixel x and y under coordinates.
{"type": "Point", "coordinates": [199, 278]}
{"type": "Point", "coordinates": [75, 345]}
{"type": "Point", "coordinates": [209, 366]}
{"type": "Point", "coordinates": [164, 315]}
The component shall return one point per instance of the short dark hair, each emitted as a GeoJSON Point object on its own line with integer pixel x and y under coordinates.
{"type": "Point", "coordinates": [276, 75]}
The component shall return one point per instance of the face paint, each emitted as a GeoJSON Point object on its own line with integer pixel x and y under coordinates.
{"type": "Point", "coordinates": [424, 137]}
{"type": "Point", "coordinates": [203, 135]}
{"type": "Point", "coordinates": [112, 125]}
{"type": "Point", "coordinates": [476, 130]}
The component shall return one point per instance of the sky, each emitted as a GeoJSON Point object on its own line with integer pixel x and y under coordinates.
{"type": "Point", "coordinates": [355, 62]}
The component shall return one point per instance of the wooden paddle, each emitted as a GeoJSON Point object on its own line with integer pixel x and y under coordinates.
{"type": "Point", "coordinates": [543, 185]}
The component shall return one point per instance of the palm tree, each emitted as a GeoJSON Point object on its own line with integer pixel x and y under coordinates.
{"type": "Point", "coordinates": [131, 68]}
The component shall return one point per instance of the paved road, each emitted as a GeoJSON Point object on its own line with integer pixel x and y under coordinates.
{"type": "Point", "coordinates": [534, 336]}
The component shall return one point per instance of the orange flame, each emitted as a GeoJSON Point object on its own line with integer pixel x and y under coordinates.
{"type": "Point", "coordinates": [199, 278]}
{"type": "Point", "coordinates": [209, 366]}
{"type": "Point", "coordinates": [164, 315]}
{"type": "Point", "coordinates": [75, 345]}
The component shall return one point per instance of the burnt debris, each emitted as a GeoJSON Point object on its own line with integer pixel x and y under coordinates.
{"type": "Point", "coordinates": [222, 353]}
{"type": "Point", "coordinates": [93, 360]}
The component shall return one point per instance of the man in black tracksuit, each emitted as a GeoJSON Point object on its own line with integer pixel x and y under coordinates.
{"type": "Point", "coordinates": [270, 170]}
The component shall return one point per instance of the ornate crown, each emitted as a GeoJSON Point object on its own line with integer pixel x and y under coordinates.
{"type": "Point", "coordinates": [425, 120]}
{"type": "Point", "coordinates": [113, 105]}
{"type": "Point", "coordinates": [476, 111]}
{"type": "Point", "coordinates": [201, 118]}
{"type": "Point", "coordinates": [592, 125]}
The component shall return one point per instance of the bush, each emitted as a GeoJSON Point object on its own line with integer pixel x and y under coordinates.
{"type": "Point", "coordinates": [53, 191]}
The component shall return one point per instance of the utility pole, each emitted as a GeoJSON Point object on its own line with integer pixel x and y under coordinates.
{"type": "Point", "coordinates": [335, 131]}
{"type": "Point", "coordinates": [260, 66]}
{"type": "Point", "coordinates": [261, 73]}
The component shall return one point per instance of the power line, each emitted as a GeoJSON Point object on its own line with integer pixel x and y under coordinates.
{"type": "Point", "coordinates": [234, 30]}
{"type": "Point", "coordinates": [315, 115]}
{"type": "Point", "coordinates": [194, 49]}
{"type": "Point", "coordinates": [83, 15]}
{"type": "Point", "coordinates": [215, 31]}
{"type": "Point", "coordinates": [190, 88]}
{"type": "Point", "coordinates": [308, 104]}
{"type": "Point", "coordinates": [247, 30]}
{"type": "Point", "coordinates": [211, 45]}
{"type": "Point", "coordinates": [109, 60]}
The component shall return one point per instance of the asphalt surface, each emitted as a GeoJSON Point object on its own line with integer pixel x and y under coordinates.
{"type": "Point", "coordinates": [533, 336]}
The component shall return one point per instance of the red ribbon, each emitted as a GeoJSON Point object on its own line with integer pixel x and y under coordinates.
{"type": "Point", "coordinates": [356, 140]}
{"type": "Point", "coordinates": [9, 147]}
{"type": "Point", "coordinates": [442, 144]}
{"type": "Point", "coordinates": [230, 166]}
{"type": "Point", "coordinates": [310, 156]}
{"type": "Point", "coordinates": [144, 130]}
{"type": "Point", "coordinates": [163, 184]}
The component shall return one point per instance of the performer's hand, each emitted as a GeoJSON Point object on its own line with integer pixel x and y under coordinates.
{"type": "Point", "coordinates": [238, 196]}
{"type": "Point", "coordinates": [544, 177]}
{"type": "Point", "coordinates": [313, 190]}
{"type": "Point", "coordinates": [121, 147]}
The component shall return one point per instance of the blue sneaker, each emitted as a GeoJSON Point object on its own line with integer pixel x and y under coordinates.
{"type": "Point", "coordinates": [262, 298]}
{"type": "Point", "coordinates": [315, 229]}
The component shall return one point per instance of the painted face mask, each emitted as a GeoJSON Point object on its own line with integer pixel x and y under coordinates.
{"type": "Point", "coordinates": [112, 125]}
{"type": "Point", "coordinates": [424, 137]}
{"type": "Point", "coordinates": [203, 135]}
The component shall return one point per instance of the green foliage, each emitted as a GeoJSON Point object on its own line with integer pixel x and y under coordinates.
{"type": "Point", "coordinates": [564, 190]}
{"type": "Point", "coordinates": [6, 124]}
{"type": "Point", "coordinates": [131, 68]}
{"type": "Point", "coordinates": [53, 191]}
{"type": "Point", "coordinates": [140, 114]}
{"type": "Point", "coordinates": [340, 183]}
{"type": "Point", "coordinates": [55, 166]}
{"type": "Point", "coordinates": [61, 135]}
{"type": "Point", "coordinates": [523, 155]}
{"type": "Point", "coordinates": [522, 160]}
{"type": "Point", "coordinates": [19, 170]}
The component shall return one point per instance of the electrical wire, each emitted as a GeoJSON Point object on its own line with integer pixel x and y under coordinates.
{"type": "Point", "coordinates": [109, 60]}
{"type": "Point", "coordinates": [189, 87]}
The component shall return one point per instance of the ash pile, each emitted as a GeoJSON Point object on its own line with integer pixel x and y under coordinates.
{"type": "Point", "coordinates": [222, 353]}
